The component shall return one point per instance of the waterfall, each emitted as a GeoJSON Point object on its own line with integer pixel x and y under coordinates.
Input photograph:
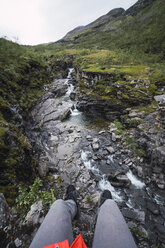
{"type": "Point", "coordinates": [136, 182]}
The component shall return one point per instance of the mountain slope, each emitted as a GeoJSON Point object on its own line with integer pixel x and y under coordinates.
{"type": "Point", "coordinates": [140, 28]}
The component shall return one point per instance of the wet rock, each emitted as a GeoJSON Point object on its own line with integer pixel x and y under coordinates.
{"type": "Point", "coordinates": [139, 171]}
{"type": "Point", "coordinates": [73, 96]}
{"type": "Point", "coordinates": [161, 186]}
{"type": "Point", "coordinates": [113, 137]}
{"type": "Point", "coordinates": [89, 138]}
{"type": "Point", "coordinates": [65, 114]}
{"type": "Point", "coordinates": [95, 146]}
{"type": "Point", "coordinates": [153, 207]}
{"type": "Point", "coordinates": [71, 139]}
{"type": "Point", "coordinates": [110, 149]}
{"type": "Point", "coordinates": [60, 90]}
{"type": "Point", "coordinates": [161, 230]}
{"type": "Point", "coordinates": [18, 242]}
{"type": "Point", "coordinates": [133, 215]}
{"type": "Point", "coordinates": [108, 162]}
{"type": "Point", "coordinates": [43, 169]}
{"type": "Point", "coordinates": [123, 179]}
{"type": "Point", "coordinates": [33, 216]}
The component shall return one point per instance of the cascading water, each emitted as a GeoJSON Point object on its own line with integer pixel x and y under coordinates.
{"type": "Point", "coordinates": [138, 184]}
{"type": "Point", "coordinates": [71, 133]}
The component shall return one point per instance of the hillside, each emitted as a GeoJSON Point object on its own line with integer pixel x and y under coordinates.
{"type": "Point", "coordinates": [139, 30]}
{"type": "Point", "coordinates": [22, 76]}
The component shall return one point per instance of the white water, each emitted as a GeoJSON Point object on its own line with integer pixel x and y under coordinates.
{"type": "Point", "coordinates": [134, 180]}
{"type": "Point", "coordinates": [103, 183]}
{"type": "Point", "coordinates": [111, 158]}
{"type": "Point", "coordinates": [71, 70]}
{"type": "Point", "coordinates": [70, 89]}
{"type": "Point", "coordinates": [75, 111]}
{"type": "Point", "coordinates": [87, 163]}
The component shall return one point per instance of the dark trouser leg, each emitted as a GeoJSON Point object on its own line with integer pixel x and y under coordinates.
{"type": "Point", "coordinates": [111, 229]}
{"type": "Point", "coordinates": [57, 225]}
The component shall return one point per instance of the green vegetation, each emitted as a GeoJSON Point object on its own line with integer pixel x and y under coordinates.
{"type": "Point", "coordinates": [137, 232]}
{"type": "Point", "coordinates": [89, 197]}
{"type": "Point", "coordinates": [119, 126]}
{"type": "Point", "coordinates": [133, 145]}
{"type": "Point", "coordinates": [27, 197]}
{"type": "Point", "coordinates": [22, 76]}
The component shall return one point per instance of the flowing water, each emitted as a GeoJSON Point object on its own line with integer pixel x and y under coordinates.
{"type": "Point", "coordinates": [67, 141]}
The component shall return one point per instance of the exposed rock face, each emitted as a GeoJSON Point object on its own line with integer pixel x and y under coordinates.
{"type": "Point", "coordinates": [5, 221]}
{"type": "Point", "coordinates": [134, 10]}
{"type": "Point", "coordinates": [4, 212]}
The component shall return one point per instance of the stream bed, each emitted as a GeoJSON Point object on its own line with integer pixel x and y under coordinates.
{"type": "Point", "coordinates": [81, 150]}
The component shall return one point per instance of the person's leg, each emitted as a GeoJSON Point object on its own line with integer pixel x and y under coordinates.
{"type": "Point", "coordinates": [57, 225]}
{"type": "Point", "coordinates": [111, 229]}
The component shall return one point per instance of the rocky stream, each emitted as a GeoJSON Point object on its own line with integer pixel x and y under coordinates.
{"type": "Point", "coordinates": [85, 151]}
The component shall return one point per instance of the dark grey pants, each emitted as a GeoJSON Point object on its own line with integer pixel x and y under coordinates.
{"type": "Point", "coordinates": [111, 229]}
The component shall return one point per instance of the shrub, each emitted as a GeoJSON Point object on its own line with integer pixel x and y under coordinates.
{"type": "Point", "coordinates": [27, 198]}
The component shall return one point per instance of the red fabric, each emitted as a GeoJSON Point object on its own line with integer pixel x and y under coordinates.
{"type": "Point", "coordinates": [77, 243]}
{"type": "Point", "coordinates": [63, 244]}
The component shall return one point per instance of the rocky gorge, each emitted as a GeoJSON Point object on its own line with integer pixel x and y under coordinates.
{"type": "Point", "coordinates": [94, 154]}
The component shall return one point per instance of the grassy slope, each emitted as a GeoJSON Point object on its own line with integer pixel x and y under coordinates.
{"type": "Point", "coordinates": [22, 76]}
{"type": "Point", "coordinates": [143, 33]}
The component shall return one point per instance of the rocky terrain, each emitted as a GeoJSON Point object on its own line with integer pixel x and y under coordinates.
{"type": "Point", "coordinates": [98, 126]}
{"type": "Point", "coordinates": [74, 149]}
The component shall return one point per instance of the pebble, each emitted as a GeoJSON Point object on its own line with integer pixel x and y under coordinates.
{"type": "Point", "coordinates": [110, 149]}
{"type": "Point", "coordinates": [89, 138]}
{"type": "Point", "coordinates": [95, 146]}
{"type": "Point", "coordinates": [18, 242]}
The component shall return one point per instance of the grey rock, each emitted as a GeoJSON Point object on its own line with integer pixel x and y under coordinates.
{"type": "Point", "coordinates": [95, 140]}
{"type": "Point", "coordinates": [153, 207]}
{"type": "Point", "coordinates": [160, 98]}
{"type": "Point", "coordinates": [108, 162]}
{"type": "Point", "coordinates": [95, 146]}
{"type": "Point", "coordinates": [73, 96]}
{"type": "Point", "coordinates": [33, 215]}
{"type": "Point", "coordinates": [4, 212]}
{"type": "Point", "coordinates": [124, 179]}
{"type": "Point", "coordinates": [65, 114]}
{"type": "Point", "coordinates": [161, 186]}
{"type": "Point", "coordinates": [89, 138]}
{"type": "Point", "coordinates": [43, 169]}
{"type": "Point", "coordinates": [133, 214]}
{"type": "Point", "coordinates": [113, 137]}
{"type": "Point", "coordinates": [110, 149]}
{"type": "Point", "coordinates": [18, 242]}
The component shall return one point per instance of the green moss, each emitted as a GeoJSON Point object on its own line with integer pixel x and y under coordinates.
{"type": "Point", "coordinates": [137, 232]}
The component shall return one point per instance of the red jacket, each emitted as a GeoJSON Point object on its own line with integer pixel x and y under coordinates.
{"type": "Point", "coordinates": [77, 243]}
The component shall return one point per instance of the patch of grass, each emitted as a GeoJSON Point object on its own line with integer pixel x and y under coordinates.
{"type": "Point", "coordinates": [133, 145]}
{"type": "Point", "coordinates": [137, 232]}
{"type": "Point", "coordinates": [120, 127]}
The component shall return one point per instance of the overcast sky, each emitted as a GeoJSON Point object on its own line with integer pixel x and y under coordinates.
{"type": "Point", "coordinates": [40, 21]}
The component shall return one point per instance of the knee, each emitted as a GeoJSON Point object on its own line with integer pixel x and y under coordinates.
{"type": "Point", "coordinates": [58, 203]}
{"type": "Point", "coordinates": [109, 205]}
